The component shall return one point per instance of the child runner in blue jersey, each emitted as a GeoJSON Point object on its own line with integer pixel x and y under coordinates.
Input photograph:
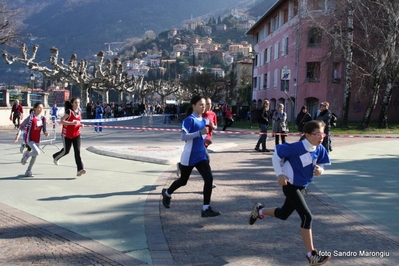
{"type": "Point", "coordinates": [295, 165]}
{"type": "Point", "coordinates": [193, 132]}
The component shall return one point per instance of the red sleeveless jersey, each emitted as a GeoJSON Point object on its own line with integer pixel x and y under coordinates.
{"type": "Point", "coordinates": [72, 131]}
{"type": "Point", "coordinates": [34, 128]}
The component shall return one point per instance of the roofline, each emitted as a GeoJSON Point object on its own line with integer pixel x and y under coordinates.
{"type": "Point", "coordinates": [248, 32]}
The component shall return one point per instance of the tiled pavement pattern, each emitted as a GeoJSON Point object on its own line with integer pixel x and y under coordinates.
{"type": "Point", "coordinates": [244, 178]}
{"type": "Point", "coordinates": [27, 240]}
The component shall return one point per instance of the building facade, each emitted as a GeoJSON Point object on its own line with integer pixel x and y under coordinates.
{"type": "Point", "coordinates": [293, 64]}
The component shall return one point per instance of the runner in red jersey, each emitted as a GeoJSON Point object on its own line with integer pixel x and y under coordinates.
{"type": "Point", "coordinates": [71, 134]}
{"type": "Point", "coordinates": [34, 124]}
{"type": "Point", "coordinates": [211, 123]}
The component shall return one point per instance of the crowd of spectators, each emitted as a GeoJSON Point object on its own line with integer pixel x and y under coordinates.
{"type": "Point", "coordinates": [113, 110]}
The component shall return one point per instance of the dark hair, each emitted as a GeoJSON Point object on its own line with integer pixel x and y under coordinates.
{"type": "Point", "coordinates": [303, 108]}
{"type": "Point", "coordinates": [68, 104]}
{"type": "Point", "coordinates": [193, 101]}
{"type": "Point", "coordinates": [310, 126]}
{"type": "Point", "coordinates": [37, 104]}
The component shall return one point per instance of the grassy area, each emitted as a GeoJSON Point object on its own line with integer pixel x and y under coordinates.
{"type": "Point", "coordinates": [353, 128]}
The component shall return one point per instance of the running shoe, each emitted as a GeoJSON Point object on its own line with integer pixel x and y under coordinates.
{"type": "Point", "coordinates": [316, 259]}
{"type": "Point", "coordinates": [81, 172]}
{"type": "Point", "coordinates": [29, 174]}
{"type": "Point", "coordinates": [55, 162]}
{"type": "Point", "coordinates": [255, 213]}
{"type": "Point", "coordinates": [210, 212]}
{"type": "Point", "coordinates": [165, 199]}
{"type": "Point", "coordinates": [25, 158]}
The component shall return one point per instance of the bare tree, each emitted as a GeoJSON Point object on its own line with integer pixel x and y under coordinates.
{"type": "Point", "coordinates": [368, 43]}
{"type": "Point", "coordinates": [108, 75]}
{"type": "Point", "coordinates": [166, 88]}
{"type": "Point", "coordinates": [205, 85]}
{"type": "Point", "coordinates": [8, 24]}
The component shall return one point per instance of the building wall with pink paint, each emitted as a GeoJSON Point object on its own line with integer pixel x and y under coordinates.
{"type": "Point", "coordinates": [286, 42]}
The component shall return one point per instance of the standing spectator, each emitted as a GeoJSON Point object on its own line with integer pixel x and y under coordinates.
{"type": "Point", "coordinates": [279, 124]}
{"type": "Point", "coordinates": [71, 134]}
{"type": "Point", "coordinates": [108, 111]}
{"type": "Point", "coordinates": [54, 114]}
{"type": "Point", "coordinates": [228, 118]}
{"type": "Point", "coordinates": [295, 165]}
{"type": "Point", "coordinates": [98, 126]}
{"type": "Point", "coordinates": [302, 118]}
{"type": "Point", "coordinates": [88, 110]}
{"type": "Point", "coordinates": [325, 116]}
{"type": "Point", "coordinates": [34, 123]}
{"type": "Point", "coordinates": [224, 109]}
{"type": "Point", "coordinates": [17, 112]}
{"type": "Point", "coordinates": [166, 114]}
{"type": "Point", "coordinates": [194, 154]}
{"type": "Point", "coordinates": [263, 119]}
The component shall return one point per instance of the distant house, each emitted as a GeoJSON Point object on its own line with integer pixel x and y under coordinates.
{"type": "Point", "coordinates": [221, 27]}
{"type": "Point", "coordinates": [217, 72]}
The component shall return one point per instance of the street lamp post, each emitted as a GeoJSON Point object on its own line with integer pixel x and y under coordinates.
{"type": "Point", "coordinates": [32, 78]}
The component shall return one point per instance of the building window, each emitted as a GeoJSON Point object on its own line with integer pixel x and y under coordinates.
{"type": "Point", "coordinates": [268, 54]}
{"type": "Point", "coordinates": [285, 85]}
{"type": "Point", "coordinates": [316, 4]}
{"type": "Point", "coordinates": [276, 45]}
{"type": "Point", "coordinates": [275, 23]}
{"type": "Point", "coordinates": [336, 72]}
{"type": "Point", "coordinates": [275, 79]}
{"type": "Point", "coordinates": [265, 81]}
{"type": "Point", "coordinates": [284, 46]}
{"type": "Point", "coordinates": [314, 37]}
{"type": "Point", "coordinates": [313, 72]}
{"type": "Point", "coordinates": [262, 34]}
{"type": "Point", "coordinates": [256, 39]}
{"type": "Point", "coordinates": [285, 15]}
{"type": "Point", "coordinates": [254, 83]}
{"type": "Point", "coordinates": [268, 80]}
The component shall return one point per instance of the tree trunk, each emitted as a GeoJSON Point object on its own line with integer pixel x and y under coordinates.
{"type": "Point", "coordinates": [84, 96]}
{"type": "Point", "coordinates": [392, 73]}
{"type": "Point", "coordinates": [383, 119]}
{"type": "Point", "coordinates": [348, 69]}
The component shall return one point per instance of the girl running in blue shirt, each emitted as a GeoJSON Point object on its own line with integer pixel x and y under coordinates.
{"type": "Point", "coordinates": [193, 132]}
{"type": "Point", "coordinates": [295, 165]}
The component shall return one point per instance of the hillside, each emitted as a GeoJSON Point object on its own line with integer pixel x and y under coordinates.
{"type": "Point", "coordinates": [83, 26]}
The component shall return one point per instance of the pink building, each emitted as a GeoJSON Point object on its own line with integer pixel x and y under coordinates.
{"type": "Point", "coordinates": [291, 65]}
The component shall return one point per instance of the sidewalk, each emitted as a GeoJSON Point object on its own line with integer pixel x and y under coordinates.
{"type": "Point", "coordinates": [175, 236]}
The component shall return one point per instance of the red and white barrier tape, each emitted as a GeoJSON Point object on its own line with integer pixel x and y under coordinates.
{"type": "Point", "coordinates": [251, 132]}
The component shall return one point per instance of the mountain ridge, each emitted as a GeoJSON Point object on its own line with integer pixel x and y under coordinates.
{"type": "Point", "coordinates": [83, 27]}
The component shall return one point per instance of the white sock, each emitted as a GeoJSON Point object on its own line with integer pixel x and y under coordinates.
{"type": "Point", "coordinates": [167, 194]}
{"type": "Point", "coordinates": [260, 212]}
{"type": "Point", "coordinates": [205, 207]}
{"type": "Point", "coordinates": [309, 254]}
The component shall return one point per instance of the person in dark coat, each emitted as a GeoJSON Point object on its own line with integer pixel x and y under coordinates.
{"type": "Point", "coordinates": [263, 120]}
{"type": "Point", "coordinates": [302, 117]}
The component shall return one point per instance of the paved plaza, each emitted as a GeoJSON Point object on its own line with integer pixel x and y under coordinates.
{"type": "Point", "coordinates": [113, 215]}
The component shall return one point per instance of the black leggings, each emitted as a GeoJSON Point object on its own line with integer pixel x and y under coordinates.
{"type": "Point", "coordinates": [204, 169]}
{"type": "Point", "coordinates": [67, 147]}
{"type": "Point", "coordinates": [295, 201]}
